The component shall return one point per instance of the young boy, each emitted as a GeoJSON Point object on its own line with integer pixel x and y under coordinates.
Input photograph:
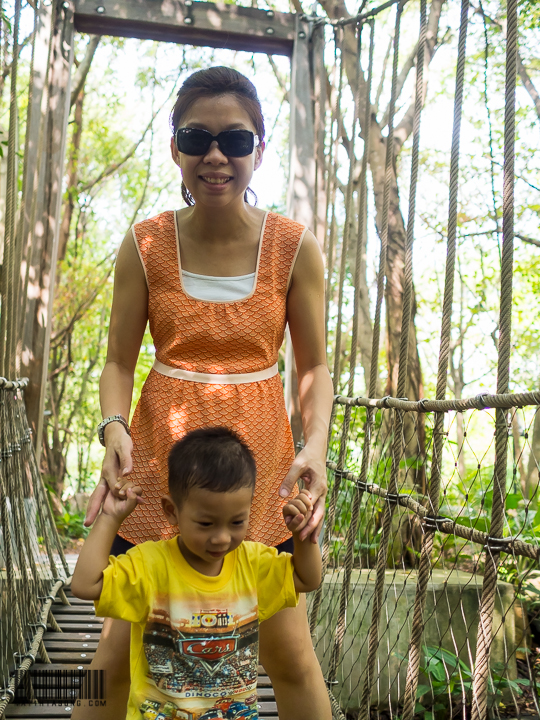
{"type": "Point", "coordinates": [195, 602]}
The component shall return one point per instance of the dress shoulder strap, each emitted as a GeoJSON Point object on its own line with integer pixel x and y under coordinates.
{"type": "Point", "coordinates": [283, 239]}
{"type": "Point", "coordinates": [155, 240]}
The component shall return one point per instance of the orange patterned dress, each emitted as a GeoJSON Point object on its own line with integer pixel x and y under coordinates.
{"type": "Point", "coordinates": [196, 341]}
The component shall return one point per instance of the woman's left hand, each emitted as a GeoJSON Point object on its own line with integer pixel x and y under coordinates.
{"type": "Point", "coordinates": [309, 466]}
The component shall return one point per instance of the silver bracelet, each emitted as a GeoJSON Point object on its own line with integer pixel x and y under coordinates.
{"type": "Point", "coordinates": [112, 418]}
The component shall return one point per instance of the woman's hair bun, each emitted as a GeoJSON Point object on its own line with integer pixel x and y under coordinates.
{"type": "Point", "coordinates": [213, 82]}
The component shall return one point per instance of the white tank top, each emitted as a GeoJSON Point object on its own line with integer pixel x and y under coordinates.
{"type": "Point", "coordinates": [217, 289]}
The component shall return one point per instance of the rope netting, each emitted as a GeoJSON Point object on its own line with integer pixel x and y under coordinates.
{"type": "Point", "coordinates": [430, 549]}
{"type": "Point", "coordinates": [33, 569]}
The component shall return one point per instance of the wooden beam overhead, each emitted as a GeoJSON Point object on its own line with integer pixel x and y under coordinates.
{"type": "Point", "coordinates": [191, 23]}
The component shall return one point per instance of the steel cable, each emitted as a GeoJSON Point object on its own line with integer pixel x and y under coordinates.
{"type": "Point", "coordinates": [424, 570]}
{"type": "Point", "coordinates": [483, 648]}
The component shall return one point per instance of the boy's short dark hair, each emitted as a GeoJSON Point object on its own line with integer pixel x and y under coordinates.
{"type": "Point", "coordinates": [212, 458]}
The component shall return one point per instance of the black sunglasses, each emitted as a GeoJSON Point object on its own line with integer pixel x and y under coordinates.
{"type": "Point", "coordinates": [232, 143]}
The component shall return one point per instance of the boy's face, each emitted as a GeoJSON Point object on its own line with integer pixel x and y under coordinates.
{"type": "Point", "coordinates": [211, 524]}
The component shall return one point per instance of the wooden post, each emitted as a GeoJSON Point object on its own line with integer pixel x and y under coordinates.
{"type": "Point", "coordinates": [300, 199]}
{"type": "Point", "coordinates": [301, 135]}
{"type": "Point", "coordinates": [319, 115]}
{"type": "Point", "coordinates": [42, 262]}
{"type": "Point", "coordinates": [36, 121]}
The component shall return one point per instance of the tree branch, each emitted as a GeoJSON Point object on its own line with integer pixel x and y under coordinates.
{"type": "Point", "coordinates": [528, 85]}
{"type": "Point", "coordinates": [383, 76]}
{"type": "Point", "coordinates": [530, 240]}
{"type": "Point", "coordinates": [58, 337]}
{"type": "Point", "coordinates": [401, 79]}
{"type": "Point", "coordinates": [113, 167]}
{"type": "Point", "coordinates": [281, 81]}
{"type": "Point", "coordinates": [7, 68]}
{"type": "Point", "coordinates": [405, 127]}
{"type": "Point", "coordinates": [523, 74]}
{"type": "Point", "coordinates": [82, 71]}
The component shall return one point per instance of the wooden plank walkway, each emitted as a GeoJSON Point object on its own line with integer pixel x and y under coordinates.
{"type": "Point", "coordinates": [74, 648]}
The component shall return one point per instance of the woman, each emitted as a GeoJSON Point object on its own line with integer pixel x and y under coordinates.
{"type": "Point", "coordinates": [218, 281]}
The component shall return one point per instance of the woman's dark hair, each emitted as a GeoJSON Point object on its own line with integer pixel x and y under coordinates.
{"type": "Point", "coordinates": [213, 458]}
{"type": "Point", "coordinates": [213, 82]}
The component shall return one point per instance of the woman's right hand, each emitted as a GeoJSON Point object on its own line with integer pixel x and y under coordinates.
{"type": "Point", "coordinates": [116, 465]}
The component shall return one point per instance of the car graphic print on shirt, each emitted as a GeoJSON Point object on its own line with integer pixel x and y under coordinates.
{"type": "Point", "coordinates": [210, 650]}
{"type": "Point", "coordinates": [206, 661]}
{"type": "Point", "coordinates": [227, 709]}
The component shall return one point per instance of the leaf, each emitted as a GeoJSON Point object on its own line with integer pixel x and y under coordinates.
{"type": "Point", "coordinates": [512, 501]}
{"type": "Point", "coordinates": [448, 657]}
{"type": "Point", "coordinates": [436, 668]}
{"type": "Point", "coordinates": [422, 690]}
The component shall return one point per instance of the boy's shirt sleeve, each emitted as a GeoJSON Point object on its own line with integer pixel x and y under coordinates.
{"type": "Point", "coordinates": [125, 588]}
{"type": "Point", "coordinates": [275, 582]}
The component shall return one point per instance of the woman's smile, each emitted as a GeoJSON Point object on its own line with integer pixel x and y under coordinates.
{"type": "Point", "coordinates": [213, 179]}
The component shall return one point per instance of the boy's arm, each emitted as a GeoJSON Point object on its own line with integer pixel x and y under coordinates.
{"type": "Point", "coordinates": [307, 564]}
{"type": "Point", "coordinates": [87, 581]}
{"type": "Point", "coordinates": [307, 555]}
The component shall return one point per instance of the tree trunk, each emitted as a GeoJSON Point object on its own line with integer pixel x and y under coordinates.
{"type": "Point", "coordinates": [395, 273]}
{"type": "Point", "coordinates": [457, 374]}
{"type": "Point", "coordinates": [534, 460]}
{"type": "Point", "coordinates": [396, 225]}
{"type": "Point", "coordinates": [73, 177]}
{"type": "Point", "coordinates": [518, 454]}
{"type": "Point", "coordinates": [42, 262]}
{"type": "Point", "coordinates": [365, 329]}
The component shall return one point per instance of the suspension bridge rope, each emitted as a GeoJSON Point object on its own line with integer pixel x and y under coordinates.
{"type": "Point", "coordinates": [398, 415]}
{"type": "Point", "coordinates": [487, 605]}
{"type": "Point", "coordinates": [362, 220]}
{"type": "Point", "coordinates": [424, 569]}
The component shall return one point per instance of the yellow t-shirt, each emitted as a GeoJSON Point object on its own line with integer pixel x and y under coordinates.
{"type": "Point", "coordinates": [194, 639]}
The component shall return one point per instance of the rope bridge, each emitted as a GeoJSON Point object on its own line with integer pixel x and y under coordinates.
{"type": "Point", "coordinates": [392, 469]}
{"type": "Point", "coordinates": [34, 569]}
{"type": "Point", "coordinates": [413, 615]}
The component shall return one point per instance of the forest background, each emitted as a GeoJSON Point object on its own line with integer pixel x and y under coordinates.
{"type": "Point", "coordinates": [118, 171]}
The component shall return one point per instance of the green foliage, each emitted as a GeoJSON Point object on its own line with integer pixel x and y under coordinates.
{"type": "Point", "coordinates": [71, 526]}
{"type": "Point", "coordinates": [450, 683]}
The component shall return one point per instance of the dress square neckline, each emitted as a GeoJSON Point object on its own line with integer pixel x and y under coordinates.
{"type": "Point", "coordinates": [220, 302]}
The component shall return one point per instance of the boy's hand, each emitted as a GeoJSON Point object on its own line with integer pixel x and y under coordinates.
{"type": "Point", "coordinates": [120, 508]}
{"type": "Point", "coordinates": [297, 512]}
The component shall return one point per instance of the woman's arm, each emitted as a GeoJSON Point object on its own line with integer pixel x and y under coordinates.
{"type": "Point", "coordinates": [305, 314]}
{"type": "Point", "coordinates": [129, 316]}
